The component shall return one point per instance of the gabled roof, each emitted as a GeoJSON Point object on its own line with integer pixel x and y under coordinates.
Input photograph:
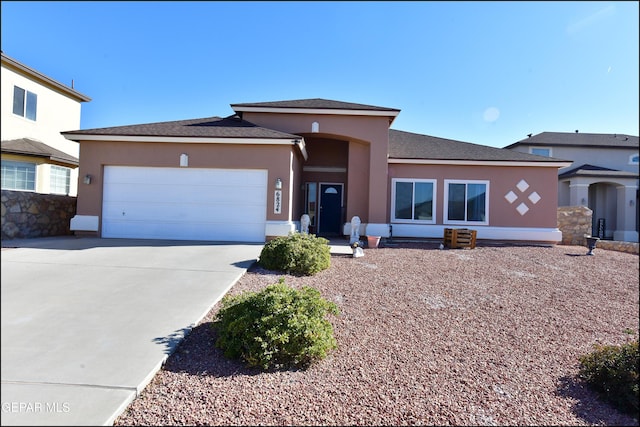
{"type": "Point", "coordinates": [588, 170]}
{"type": "Point", "coordinates": [43, 79]}
{"type": "Point", "coordinates": [314, 103]}
{"type": "Point", "coordinates": [316, 106]}
{"type": "Point", "coordinates": [413, 146]}
{"type": "Point", "coordinates": [577, 139]}
{"type": "Point", "coordinates": [31, 147]}
{"type": "Point", "coordinates": [208, 127]}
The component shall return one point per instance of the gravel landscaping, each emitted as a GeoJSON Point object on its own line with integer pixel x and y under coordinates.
{"type": "Point", "coordinates": [484, 336]}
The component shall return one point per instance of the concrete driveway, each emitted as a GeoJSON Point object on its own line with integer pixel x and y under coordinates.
{"type": "Point", "coordinates": [87, 322]}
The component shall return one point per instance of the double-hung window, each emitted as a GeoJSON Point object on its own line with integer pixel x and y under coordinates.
{"type": "Point", "coordinates": [466, 202]}
{"type": "Point", "coordinates": [25, 103]}
{"type": "Point", "coordinates": [413, 200]}
{"type": "Point", "coordinates": [18, 176]}
{"type": "Point", "coordinates": [60, 179]}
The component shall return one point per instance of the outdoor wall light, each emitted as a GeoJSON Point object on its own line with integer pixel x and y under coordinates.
{"type": "Point", "coordinates": [584, 200]}
{"type": "Point", "coordinates": [87, 179]}
{"type": "Point", "coordinates": [278, 184]}
{"type": "Point", "coordinates": [184, 160]}
{"type": "Point", "coordinates": [631, 203]}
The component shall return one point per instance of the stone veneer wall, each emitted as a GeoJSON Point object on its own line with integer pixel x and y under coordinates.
{"type": "Point", "coordinates": [574, 222]}
{"type": "Point", "coordinates": [26, 214]}
{"type": "Point", "coordinates": [614, 245]}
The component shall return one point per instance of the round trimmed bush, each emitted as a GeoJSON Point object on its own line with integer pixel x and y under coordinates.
{"type": "Point", "coordinates": [277, 327]}
{"type": "Point", "coordinates": [612, 371]}
{"type": "Point", "coordinates": [297, 253]}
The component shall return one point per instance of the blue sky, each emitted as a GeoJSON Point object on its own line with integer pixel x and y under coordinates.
{"type": "Point", "coordinates": [481, 72]}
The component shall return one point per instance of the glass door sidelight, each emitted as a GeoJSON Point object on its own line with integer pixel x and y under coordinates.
{"type": "Point", "coordinates": [311, 205]}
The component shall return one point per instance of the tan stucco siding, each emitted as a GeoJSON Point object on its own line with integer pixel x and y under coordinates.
{"type": "Point", "coordinates": [358, 183]}
{"type": "Point", "coordinates": [502, 180]}
{"type": "Point", "coordinates": [371, 131]}
{"type": "Point", "coordinates": [95, 155]}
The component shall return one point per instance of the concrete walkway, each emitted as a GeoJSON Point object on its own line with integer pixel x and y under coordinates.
{"type": "Point", "coordinates": [87, 323]}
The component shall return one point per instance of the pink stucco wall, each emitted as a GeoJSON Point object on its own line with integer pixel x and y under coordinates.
{"type": "Point", "coordinates": [502, 179]}
{"type": "Point", "coordinates": [277, 159]}
{"type": "Point", "coordinates": [368, 138]}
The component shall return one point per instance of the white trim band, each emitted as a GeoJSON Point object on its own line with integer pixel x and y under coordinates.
{"type": "Point", "coordinates": [489, 233]}
{"type": "Point", "coordinates": [180, 139]}
{"type": "Point", "coordinates": [331, 111]}
{"type": "Point", "coordinates": [85, 223]}
{"type": "Point", "coordinates": [279, 228]}
{"type": "Point", "coordinates": [479, 163]}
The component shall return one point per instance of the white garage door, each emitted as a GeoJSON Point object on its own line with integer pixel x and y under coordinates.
{"type": "Point", "coordinates": [184, 204]}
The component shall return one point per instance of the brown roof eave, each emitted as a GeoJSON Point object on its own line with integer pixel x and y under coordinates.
{"type": "Point", "coordinates": [53, 158]}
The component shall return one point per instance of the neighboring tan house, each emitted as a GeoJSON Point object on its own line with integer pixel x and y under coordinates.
{"type": "Point", "coordinates": [603, 177]}
{"type": "Point", "coordinates": [35, 109]}
{"type": "Point", "coordinates": [250, 176]}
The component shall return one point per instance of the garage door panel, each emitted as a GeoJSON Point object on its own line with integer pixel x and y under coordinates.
{"type": "Point", "coordinates": [182, 212]}
{"type": "Point", "coordinates": [194, 176]}
{"type": "Point", "coordinates": [243, 194]}
{"type": "Point", "coordinates": [184, 204]}
{"type": "Point", "coordinates": [177, 231]}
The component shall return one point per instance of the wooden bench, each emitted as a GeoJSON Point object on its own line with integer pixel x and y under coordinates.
{"type": "Point", "coordinates": [459, 238]}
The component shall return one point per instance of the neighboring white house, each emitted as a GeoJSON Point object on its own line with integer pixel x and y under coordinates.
{"type": "Point", "coordinates": [35, 109]}
{"type": "Point", "coordinates": [603, 177]}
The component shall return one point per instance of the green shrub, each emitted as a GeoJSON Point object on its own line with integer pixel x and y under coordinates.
{"type": "Point", "coordinates": [276, 327]}
{"type": "Point", "coordinates": [296, 253]}
{"type": "Point", "coordinates": [613, 372]}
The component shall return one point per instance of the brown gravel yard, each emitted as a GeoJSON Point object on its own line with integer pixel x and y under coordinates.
{"type": "Point", "coordinates": [487, 336]}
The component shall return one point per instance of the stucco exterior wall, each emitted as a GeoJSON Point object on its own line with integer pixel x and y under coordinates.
{"type": "Point", "coordinates": [612, 158]}
{"type": "Point", "coordinates": [55, 113]}
{"type": "Point", "coordinates": [502, 180]}
{"type": "Point", "coordinates": [277, 159]}
{"type": "Point", "coordinates": [373, 132]}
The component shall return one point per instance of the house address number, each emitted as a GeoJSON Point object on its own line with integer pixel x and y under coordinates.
{"type": "Point", "coordinates": [277, 202]}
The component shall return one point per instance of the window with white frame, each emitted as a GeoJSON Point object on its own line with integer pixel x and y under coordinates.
{"type": "Point", "coordinates": [25, 103]}
{"type": "Point", "coordinates": [60, 178]}
{"type": "Point", "coordinates": [466, 202]}
{"type": "Point", "coordinates": [541, 151]}
{"type": "Point", "coordinates": [413, 200]}
{"type": "Point", "coordinates": [18, 175]}
{"type": "Point", "coordinates": [634, 159]}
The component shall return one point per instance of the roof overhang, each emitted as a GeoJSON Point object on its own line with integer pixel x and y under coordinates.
{"type": "Point", "coordinates": [332, 111]}
{"type": "Point", "coordinates": [299, 142]}
{"type": "Point", "coordinates": [557, 165]}
{"type": "Point", "coordinates": [600, 174]}
{"type": "Point", "coordinates": [50, 157]}
{"type": "Point", "coordinates": [392, 114]}
{"type": "Point", "coordinates": [43, 79]}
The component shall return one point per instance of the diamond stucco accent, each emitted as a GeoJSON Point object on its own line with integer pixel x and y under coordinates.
{"type": "Point", "coordinates": [522, 208]}
{"type": "Point", "coordinates": [534, 197]}
{"type": "Point", "coordinates": [522, 185]}
{"type": "Point", "coordinates": [511, 197]}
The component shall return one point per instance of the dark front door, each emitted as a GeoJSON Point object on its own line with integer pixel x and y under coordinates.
{"type": "Point", "coordinates": [330, 209]}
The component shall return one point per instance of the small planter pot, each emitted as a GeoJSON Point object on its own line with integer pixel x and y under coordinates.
{"type": "Point", "coordinates": [373, 241]}
{"type": "Point", "coordinates": [591, 243]}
